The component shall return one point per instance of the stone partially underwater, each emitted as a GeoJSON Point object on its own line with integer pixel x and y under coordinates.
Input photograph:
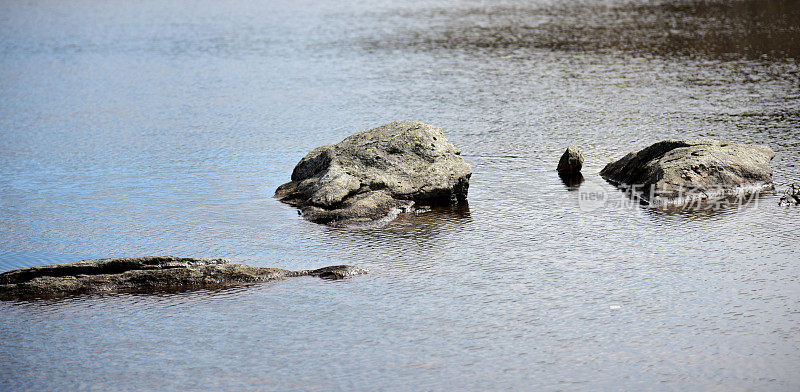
{"type": "Point", "coordinates": [152, 273]}
{"type": "Point", "coordinates": [571, 162]}
{"type": "Point", "coordinates": [683, 172]}
{"type": "Point", "coordinates": [373, 175]}
{"type": "Point", "coordinates": [791, 196]}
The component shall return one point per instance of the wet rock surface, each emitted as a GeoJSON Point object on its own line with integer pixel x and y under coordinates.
{"type": "Point", "coordinates": [571, 162]}
{"type": "Point", "coordinates": [791, 196]}
{"type": "Point", "coordinates": [677, 171]}
{"type": "Point", "coordinates": [152, 273]}
{"type": "Point", "coordinates": [373, 175]}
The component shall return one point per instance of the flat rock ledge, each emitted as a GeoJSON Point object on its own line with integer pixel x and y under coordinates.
{"type": "Point", "coordinates": [373, 175]}
{"type": "Point", "coordinates": [679, 172]}
{"type": "Point", "coordinates": [151, 273]}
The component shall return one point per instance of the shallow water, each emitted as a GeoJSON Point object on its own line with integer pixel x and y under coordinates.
{"type": "Point", "coordinates": [139, 128]}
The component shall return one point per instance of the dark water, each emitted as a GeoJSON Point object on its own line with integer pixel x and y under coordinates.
{"type": "Point", "coordinates": [149, 127]}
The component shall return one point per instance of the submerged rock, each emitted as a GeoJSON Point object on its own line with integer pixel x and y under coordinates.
{"type": "Point", "coordinates": [680, 171]}
{"type": "Point", "coordinates": [145, 274]}
{"type": "Point", "coordinates": [375, 174]}
{"type": "Point", "coordinates": [791, 196]}
{"type": "Point", "coordinates": [334, 272]}
{"type": "Point", "coordinates": [571, 162]}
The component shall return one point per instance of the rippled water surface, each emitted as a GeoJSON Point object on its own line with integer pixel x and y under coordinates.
{"type": "Point", "coordinates": [163, 127]}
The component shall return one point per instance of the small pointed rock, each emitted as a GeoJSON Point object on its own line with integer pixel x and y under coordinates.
{"type": "Point", "coordinates": [571, 162]}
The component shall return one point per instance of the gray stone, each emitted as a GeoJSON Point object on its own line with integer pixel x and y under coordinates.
{"type": "Point", "coordinates": [679, 171]}
{"type": "Point", "coordinates": [335, 272]}
{"type": "Point", "coordinates": [791, 196]}
{"type": "Point", "coordinates": [145, 274]}
{"type": "Point", "coordinates": [372, 175]}
{"type": "Point", "coordinates": [571, 161]}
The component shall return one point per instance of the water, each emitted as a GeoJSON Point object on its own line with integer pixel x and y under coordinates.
{"type": "Point", "coordinates": [145, 128]}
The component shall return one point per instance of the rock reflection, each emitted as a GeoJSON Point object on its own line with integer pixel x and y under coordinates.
{"type": "Point", "coordinates": [179, 293]}
{"type": "Point", "coordinates": [431, 220]}
{"type": "Point", "coordinates": [715, 29]}
{"type": "Point", "coordinates": [702, 208]}
{"type": "Point", "coordinates": [572, 181]}
{"type": "Point", "coordinates": [429, 225]}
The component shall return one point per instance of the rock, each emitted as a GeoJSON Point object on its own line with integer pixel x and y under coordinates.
{"type": "Point", "coordinates": [571, 161]}
{"type": "Point", "coordinates": [336, 272]}
{"type": "Point", "coordinates": [680, 171]}
{"type": "Point", "coordinates": [145, 274]}
{"type": "Point", "coordinates": [372, 175]}
{"type": "Point", "coordinates": [791, 196]}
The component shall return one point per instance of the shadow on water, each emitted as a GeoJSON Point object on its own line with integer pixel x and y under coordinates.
{"type": "Point", "coordinates": [743, 29]}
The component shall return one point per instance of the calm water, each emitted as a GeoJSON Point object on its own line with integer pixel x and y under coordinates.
{"type": "Point", "coordinates": [153, 127]}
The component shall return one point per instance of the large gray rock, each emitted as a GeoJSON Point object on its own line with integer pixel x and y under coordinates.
{"type": "Point", "coordinates": [373, 174]}
{"type": "Point", "coordinates": [145, 274]}
{"type": "Point", "coordinates": [677, 171]}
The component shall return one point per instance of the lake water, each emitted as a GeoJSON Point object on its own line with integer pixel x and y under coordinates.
{"type": "Point", "coordinates": [164, 127]}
